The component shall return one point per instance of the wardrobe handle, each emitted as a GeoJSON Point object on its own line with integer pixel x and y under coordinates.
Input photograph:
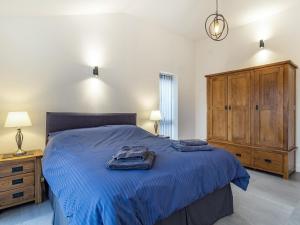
{"type": "Point", "coordinates": [256, 107]}
{"type": "Point", "coordinates": [226, 107]}
{"type": "Point", "coordinates": [230, 107]}
{"type": "Point", "coordinates": [268, 160]}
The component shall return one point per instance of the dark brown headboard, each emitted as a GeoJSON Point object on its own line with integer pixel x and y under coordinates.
{"type": "Point", "coordinates": [66, 121]}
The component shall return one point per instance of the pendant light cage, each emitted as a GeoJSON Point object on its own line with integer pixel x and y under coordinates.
{"type": "Point", "coordinates": [216, 25]}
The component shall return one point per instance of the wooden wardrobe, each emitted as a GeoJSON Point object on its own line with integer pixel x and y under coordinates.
{"type": "Point", "coordinates": [252, 114]}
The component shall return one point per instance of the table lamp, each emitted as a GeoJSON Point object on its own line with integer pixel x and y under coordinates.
{"type": "Point", "coordinates": [18, 120]}
{"type": "Point", "coordinates": [155, 116]}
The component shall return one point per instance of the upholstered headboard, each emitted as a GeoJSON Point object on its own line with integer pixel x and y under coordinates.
{"type": "Point", "coordinates": [66, 121]}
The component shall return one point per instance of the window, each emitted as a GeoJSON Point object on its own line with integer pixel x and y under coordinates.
{"type": "Point", "coordinates": [168, 105]}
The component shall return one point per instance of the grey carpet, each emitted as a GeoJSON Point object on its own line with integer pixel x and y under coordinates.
{"type": "Point", "coordinates": [295, 217]}
{"type": "Point", "coordinates": [270, 200]}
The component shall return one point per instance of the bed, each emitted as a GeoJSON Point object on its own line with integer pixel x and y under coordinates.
{"type": "Point", "coordinates": [181, 188]}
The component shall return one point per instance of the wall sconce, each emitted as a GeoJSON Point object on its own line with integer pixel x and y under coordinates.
{"type": "Point", "coordinates": [261, 44]}
{"type": "Point", "coordinates": [96, 72]}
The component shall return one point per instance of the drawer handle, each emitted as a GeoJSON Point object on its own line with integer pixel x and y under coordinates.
{"type": "Point", "coordinates": [268, 160]}
{"type": "Point", "coordinates": [18, 195]}
{"type": "Point", "coordinates": [238, 155]}
{"type": "Point", "coordinates": [17, 169]}
{"type": "Point", "coordinates": [17, 181]}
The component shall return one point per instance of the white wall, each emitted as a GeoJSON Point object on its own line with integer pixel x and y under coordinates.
{"type": "Point", "coordinates": [240, 49]}
{"type": "Point", "coordinates": [45, 66]}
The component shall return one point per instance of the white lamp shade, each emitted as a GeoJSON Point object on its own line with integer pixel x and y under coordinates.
{"type": "Point", "coordinates": [155, 115]}
{"type": "Point", "coordinates": [17, 119]}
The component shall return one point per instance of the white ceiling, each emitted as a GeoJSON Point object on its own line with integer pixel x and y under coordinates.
{"type": "Point", "coordinates": [185, 17]}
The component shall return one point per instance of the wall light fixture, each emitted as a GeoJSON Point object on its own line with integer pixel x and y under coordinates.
{"type": "Point", "coordinates": [261, 44]}
{"type": "Point", "coordinates": [96, 71]}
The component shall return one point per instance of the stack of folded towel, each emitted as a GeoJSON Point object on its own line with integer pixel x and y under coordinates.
{"type": "Point", "coordinates": [191, 145]}
{"type": "Point", "coordinates": [132, 158]}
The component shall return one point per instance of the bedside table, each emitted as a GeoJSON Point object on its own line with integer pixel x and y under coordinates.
{"type": "Point", "coordinates": [20, 178]}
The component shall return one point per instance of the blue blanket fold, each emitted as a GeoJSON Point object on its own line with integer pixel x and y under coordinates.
{"type": "Point", "coordinates": [132, 153]}
{"type": "Point", "coordinates": [146, 164]}
{"type": "Point", "coordinates": [193, 142]}
{"type": "Point", "coordinates": [192, 148]}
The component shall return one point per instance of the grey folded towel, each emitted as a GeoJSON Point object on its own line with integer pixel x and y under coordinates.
{"type": "Point", "coordinates": [193, 142]}
{"type": "Point", "coordinates": [132, 153]}
{"type": "Point", "coordinates": [185, 148]}
{"type": "Point", "coordinates": [146, 164]}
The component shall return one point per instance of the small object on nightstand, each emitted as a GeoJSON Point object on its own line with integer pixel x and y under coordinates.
{"type": "Point", "coordinates": [20, 179]}
{"type": "Point", "coordinates": [163, 136]}
{"type": "Point", "coordinates": [155, 116]}
{"type": "Point", "coordinates": [18, 120]}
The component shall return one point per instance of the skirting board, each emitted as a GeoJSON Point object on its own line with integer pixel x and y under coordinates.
{"type": "Point", "coordinates": [298, 167]}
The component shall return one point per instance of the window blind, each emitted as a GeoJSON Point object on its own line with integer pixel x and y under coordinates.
{"type": "Point", "coordinates": [166, 104]}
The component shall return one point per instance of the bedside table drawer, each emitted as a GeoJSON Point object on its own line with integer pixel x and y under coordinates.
{"type": "Point", "coordinates": [17, 168]}
{"type": "Point", "coordinates": [16, 196]}
{"type": "Point", "coordinates": [18, 181]}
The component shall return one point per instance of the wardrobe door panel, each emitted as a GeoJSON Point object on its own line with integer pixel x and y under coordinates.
{"type": "Point", "coordinates": [239, 108]}
{"type": "Point", "coordinates": [268, 108]}
{"type": "Point", "coordinates": [217, 108]}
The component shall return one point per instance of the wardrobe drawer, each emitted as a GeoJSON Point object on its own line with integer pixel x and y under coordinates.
{"type": "Point", "coordinates": [16, 168]}
{"type": "Point", "coordinates": [15, 196]}
{"type": "Point", "coordinates": [269, 161]}
{"type": "Point", "coordinates": [243, 155]}
{"type": "Point", "coordinates": [18, 181]}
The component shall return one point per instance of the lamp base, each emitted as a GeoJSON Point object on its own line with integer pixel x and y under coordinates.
{"type": "Point", "coordinates": [20, 152]}
{"type": "Point", "coordinates": [156, 128]}
{"type": "Point", "coordinates": [13, 155]}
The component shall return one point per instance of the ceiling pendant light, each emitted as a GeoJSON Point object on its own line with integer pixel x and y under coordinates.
{"type": "Point", "coordinates": [216, 25]}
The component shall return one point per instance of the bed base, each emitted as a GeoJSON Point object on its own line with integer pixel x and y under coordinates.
{"type": "Point", "coordinates": [205, 211]}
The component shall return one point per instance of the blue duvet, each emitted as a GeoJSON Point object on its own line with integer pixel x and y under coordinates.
{"type": "Point", "coordinates": [74, 165]}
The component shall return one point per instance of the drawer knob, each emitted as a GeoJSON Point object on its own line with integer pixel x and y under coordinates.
{"type": "Point", "coordinates": [17, 181]}
{"type": "Point", "coordinates": [18, 195]}
{"type": "Point", "coordinates": [17, 169]}
{"type": "Point", "coordinates": [268, 160]}
{"type": "Point", "coordinates": [238, 155]}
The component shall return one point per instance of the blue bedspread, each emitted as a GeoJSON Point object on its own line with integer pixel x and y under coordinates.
{"type": "Point", "coordinates": [74, 165]}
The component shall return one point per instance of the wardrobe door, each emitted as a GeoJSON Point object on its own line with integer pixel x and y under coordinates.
{"type": "Point", "coordinates": [239, 108]}
{"type": "Point", "coordinates": [268, 107]}
{"type": "Point", "coordinates": [217, 108]}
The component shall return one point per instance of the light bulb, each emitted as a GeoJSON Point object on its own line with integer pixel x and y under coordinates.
{"type": "Point", "coordinates": [216, 27]}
